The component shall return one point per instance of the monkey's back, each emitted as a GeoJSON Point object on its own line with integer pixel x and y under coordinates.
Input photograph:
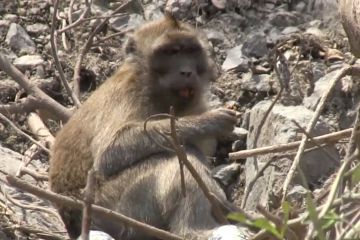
{"type": "Point", "coordinates": [82, 137]}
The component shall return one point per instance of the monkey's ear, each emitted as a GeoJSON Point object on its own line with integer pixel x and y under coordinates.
{"type": "Point", "coordinates": [130, 45]}
{"type": "Point", "coordinates": [172, 19]}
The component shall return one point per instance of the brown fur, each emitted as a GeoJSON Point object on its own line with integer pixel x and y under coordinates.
{"type": "Point", "coordinates": [164, 58]}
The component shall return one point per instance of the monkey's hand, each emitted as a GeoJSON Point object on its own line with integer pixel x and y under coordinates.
{"type": "Point", "coordinates": [219, 122]}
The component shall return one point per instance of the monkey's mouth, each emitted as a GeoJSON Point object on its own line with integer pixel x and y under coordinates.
{"type": "Point", "coordinates": [186, 92]}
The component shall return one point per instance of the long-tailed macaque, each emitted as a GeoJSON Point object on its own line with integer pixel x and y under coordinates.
{"type": "Point", "coordinates": [166, 65]}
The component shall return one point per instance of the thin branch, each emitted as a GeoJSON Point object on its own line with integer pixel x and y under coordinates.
{"type": "Point", "coordinates": [56, 57]}
{"type": "Point", "coordinates": [181, 154]}
{"type": "Point", "coordinates": [38, 128]}
{"type": "Point", "coordinates": [97, 210]}
{"type": "Point", "coordinates": [36, 175]}
{"type": "Point", "coordinates": [43, 100]}
{"type": "Point", "coordinates": [87, 46]}
{"type": "Point", "coordinates": [18, 130]}
{"type": "Point", "coordinates": [345, 71]}
{"type": "Point", "coordinates": [327, 138]}
{"type": "Point", "coordinates": [89, 196]}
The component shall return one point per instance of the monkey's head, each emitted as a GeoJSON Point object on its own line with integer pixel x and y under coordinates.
{"type": "Point", "coordinates": [175, 60]}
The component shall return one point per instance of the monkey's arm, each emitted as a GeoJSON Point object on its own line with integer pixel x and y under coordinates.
{"type": "Point", "coordinates": [131, 144]}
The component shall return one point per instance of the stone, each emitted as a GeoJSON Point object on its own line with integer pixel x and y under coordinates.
{"type": "Point", "coordinates": [279, 129]}
{"type": "Point", "coordinates": [27, 62]}
{"type": "Point", "coordinates": [255, 46]}
{"type": "Point", "coordinates": [235, 60]}
{"type": "Point", "coordinates": [11, 17]}
{"type": "Point", "coordinates": [4, 26]}
{"type": "Point", "coordinates": [290, 30]}
{"type": "Point", "coordinates": [256, 82]}
{"type": "Point", "coordinates": [127, 21]}
{"type": "Point", "coordinates": [37, 28]}
{"type": "Point", "coordinates": [179, 8]}
{"type": "Point", "coordinates": [226, 173]}
{"type": "Point", "coordinates": [284, 19]}
{"type": "Point", "coordinates": [215, 37]}
{"type": "Point", "coordinates": [227, 232]}
{"type": "Point", "coordinates": [8, 53]}
{"type": "Point", "coordinates": [18, 39]}
{"type": "Point", "coordinates": [321, 86]}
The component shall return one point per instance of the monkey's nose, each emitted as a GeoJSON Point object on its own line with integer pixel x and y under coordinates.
{"type": "Point", "coordinates": [186, 73]}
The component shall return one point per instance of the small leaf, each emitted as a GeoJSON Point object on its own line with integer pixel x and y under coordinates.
{"type": "Point", "coordinates": [355, 177]}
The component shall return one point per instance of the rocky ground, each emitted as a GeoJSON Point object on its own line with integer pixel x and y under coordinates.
{"type": "Point", "coordinates": [247, 40]}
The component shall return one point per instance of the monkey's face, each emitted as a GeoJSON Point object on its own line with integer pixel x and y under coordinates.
{"type": "Point", "coordinates": [179, 70]}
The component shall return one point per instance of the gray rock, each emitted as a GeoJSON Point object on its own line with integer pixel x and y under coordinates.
{"type": "Point", "coordinates": [4, 26]}
{"type": "Point", "coordinates": [255, 46]}
{"type": "Point", "coordinates": [10, 162]}
{"type": "Point", "coordinates": [28, 62]}
{"type": "Point", "coordinates": [316, 32]}
{"type": "Point", "coordinates": [321, 86]}
{"type": "Point", "coordinates": [290, 30]}
{"type": "Point", "coordinates": [11, 17]}
{"type": "Point", "coordinates": [256, 82]}
{"type": "Point", "coordinates": [18, 39]}
{"type": "Point", "coordinates": [284, 19]}
{"type": "Point", "coordinates": [235, 60]}
{"type": "Point", "coordinates": [226, 173]}
{"type": "Point", "coordinates": [215, 37]}
{"type": "Point", "coordinates": [297, 194]}
{"type": "Point", "coordinates": [279, 129]}
{"type": "Point", "coordinates": [179, 8]}
{"type": "Point", "coordinates": [37, 28]}
{"type": "Point", "coordinates": [8, 53]}
{"type": "Point", "coordinates": [127, 21]}
{"type": "Point", "coordinates": [152, 12]}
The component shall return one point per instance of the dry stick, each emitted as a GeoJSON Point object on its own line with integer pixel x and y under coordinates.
{"type": "Point", "coordinates": [79, 21]}
{"type": "Point", "coordinates": [42, 99]}
{"type": "Point", "coordinates": [31, 206]}
{"type": "Point", "coordinates": [181, 154]}
{"type": "Point", "coordinates": [29, 155]}
{"type": "Point", "coordinates": [327, 138]}
{"type": "Point", "coordinates": [335, 185]}
{"type": "Point", "coordinates": [42, 233]}
{"type": "Point", "coordinates": [113, 35]}
{"type": "Point", "coordinates": [38, 128]}
{"type": "Point", "coordinates": [345, 71]}
{"type": "Point", "coordinates": [314, 142]}
{"type": "Point", "coordinates": [99, 211]}
{"type": "Point", "coordinates": [87, 46]}
{"type": "Point", "coordinates": [351, 224]}
{"type": "Point", "coordinates": [18, 130]}
{"type": "Point", "coordinates": [89, 195]}
{"type": "Point", "coordinates": [37, 176]}
{"type": "Point", "coordinates": [56, 57]}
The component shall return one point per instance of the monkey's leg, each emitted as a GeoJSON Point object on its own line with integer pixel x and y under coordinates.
{"type": "Point", "coordinates": [130, 144]}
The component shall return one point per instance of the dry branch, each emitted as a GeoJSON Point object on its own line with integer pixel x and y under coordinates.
{"type": "Point", "coordinates": [97, 210]}
{"type": "Point", "coordinates": [89, 195]}
{"type": "Point", "coordinates": [56, 57]}
{"type": "Point", "coordinates": [42, 99]}
{"type": "Point", "coordinates": [348, 70]}
{"type": "Point", "coordinates": [327, 138]}
{"type": "Point", "coordinates": [87, 46]}
{"type": "Point", "coordinates": [38, 128]}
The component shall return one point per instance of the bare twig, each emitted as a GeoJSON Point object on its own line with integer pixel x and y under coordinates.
{"type": "Point", "coordinates": [97, 210]}
{"type": "Point", "coordinates": [29, 155]}
{"type": "Point", "coordinates": [345, 71]}
{"type": "Point", "coordinates": [327, 138]}
{"type": "Point", "coordinates": [38, 128]}
{"type": "Point", "coordinates": [314, 142]}
{"type": "Point", "coordinates": [87, 46]}
{"type": "Point", "coordinates": [31, 206]}
{"type": "Point", "coordinates": [18, 130]}
{"type": "Point", "coordinates": [37, 176]}
{"type": "Point", "coordinates": [56, 57]}
{"type": "Point", "coordinates": [43, 100]}
{"type": "Point", "coordinates": [89, 195]}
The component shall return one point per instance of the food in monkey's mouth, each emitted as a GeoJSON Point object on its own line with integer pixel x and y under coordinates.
{"type": "Point", "coordinates": [186, 92]}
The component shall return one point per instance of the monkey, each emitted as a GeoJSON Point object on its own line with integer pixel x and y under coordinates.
{"type": "Point", "coordinates": [166, 64]}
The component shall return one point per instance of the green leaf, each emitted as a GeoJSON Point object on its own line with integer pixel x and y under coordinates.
{"type": "Point", "coordinates": [265, 224]}
{"type": "Point", "coordinates": [355, 177]}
